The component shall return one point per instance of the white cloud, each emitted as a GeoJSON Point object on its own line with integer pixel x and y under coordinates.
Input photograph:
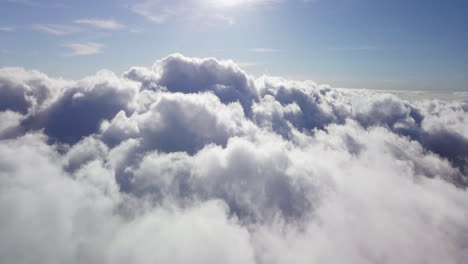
{"type": "Point", "coordinates": [246, 64]}
{"type": "Point", "coordinates": [206, 10]}
{"type": "Point", "coordinates": [264, 50]}
{"type": "Point", "coordinates": [140, 168]}
{"type": "Point", "coordinates": [56, 29]}
{"type": "Point", "coordinates": [7, 29]}
{"type": "Point", "coordinates": [145, 9]}
{"type": "Point", "coordinates": [357, 48]}
{"type": "Point", "coordinates": [89, 48]}
{"type": "Point", "coordinates": [235, 3]}
{"type": "Point", "coordinates": [100, 23]}
{"type": "Point", "coordinates": [25, 2]}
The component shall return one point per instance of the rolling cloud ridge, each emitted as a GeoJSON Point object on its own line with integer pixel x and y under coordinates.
{"type": "Point", "coordinates": [194, 160]}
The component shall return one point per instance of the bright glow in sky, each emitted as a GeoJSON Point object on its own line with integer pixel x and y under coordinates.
{"type": "Point", "coordinates": [417, 45]}
{"type": "Point", "coordinates": [230, 3]}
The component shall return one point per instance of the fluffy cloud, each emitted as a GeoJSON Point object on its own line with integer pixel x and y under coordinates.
{"type": "Point", "coordinates": [54, 217]}
{"type": "Point", "coordinates": [195, 160]}
{"type": "Point", "coordinates": [78, 109]}
{"type": "Point", "coordinates": [191, 75]}
{"type": "Point", "coordinates": [23, 91]}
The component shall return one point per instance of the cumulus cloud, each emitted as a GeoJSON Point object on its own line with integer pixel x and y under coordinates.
{"type": "Point", "coordinates": [26, 91]}
{"type": "Point", "coordinates": [79, 108]}
{"type": "Point", "coordinates": [194, 160]}
{"type": "Point", "coordinates": [192, 75]}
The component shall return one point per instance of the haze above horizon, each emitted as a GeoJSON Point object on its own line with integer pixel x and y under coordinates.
{"type": "Point", "coordinates": [398, 45]}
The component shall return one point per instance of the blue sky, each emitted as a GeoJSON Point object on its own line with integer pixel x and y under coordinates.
{"type": "Point", "coordinates": [409, 45]}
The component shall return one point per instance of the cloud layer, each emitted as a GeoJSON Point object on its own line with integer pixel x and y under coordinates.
{"type": "Point", "coordinates": [193, 160]}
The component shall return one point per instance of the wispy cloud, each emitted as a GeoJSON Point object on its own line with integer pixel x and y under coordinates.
{"type": "Point", "coordinates": [7, 29]}
{"type": "Point", "coordinates": [264, 50]}
{"type": "Point", "coordinates": [24, 2]}
{"type": "Point", "coordinates": [159, 11]}
{"type": "Point", "coordinates": [228, 19]}
{"type": "Point", "coordinates": [80, 49]}
{"type": "Point", "coordinates": [56, 29]}
{"type": "Point", "coordinates": [144, 9]}
{"type": "Point", "coordinates": [100, 23]}
{"type": "Point", "coordinates": [356, 48]}
{"type": "Point", "coordinates": [136, 30]}
{"type": "Point", "coordinates": [246, 64]}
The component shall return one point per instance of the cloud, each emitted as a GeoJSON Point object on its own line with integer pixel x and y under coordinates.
{"type": "Point", "coordinates": [144, 9]}
{"type": "Point", "coordinates": [7, 29]}
{"type": "Point", "coordinates": [191, 75]}
{"type": "Point", "coordinates": [142, 167]}
{"type": "Point", "coordinates": [246, 64]}
{"type": "Point", "coordinates": [83, 222]}
{"type": "Point", "coordinates": [264, 50]}
{"type": "Point", "coordinates": [80, 49]}
{"type": "Point", "coordinates": [24, 2]}
{"type": "Point", "coordinates": [357, 48]}
{"type": "Point", "coordinates": [236, 3]}
{"type": "Point", "coordinates": [102, 96]}
{"type": "Point", "coordinates": [206, 10]}
{"type": "Point", "coordinates": [55, 29]}
{"type": "Point", "coordinates": [26, 91]}
{"type": "Point", "coordinates": [100, 23]}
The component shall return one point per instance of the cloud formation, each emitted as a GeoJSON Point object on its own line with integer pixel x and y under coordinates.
{"type": "Point", "coordinates": [264, 50]}
{"type": "Point", "coordinates": [7, 29]}
{"type": "Point", "coordinates": [160, 11]}
{"type": "Point", "coordinates": [100, 23]}
{"type": "Point", "coordinates": [194, 160]}
{"type": "Point", "coordinates": [55, 29]}
{"type": "Point", "coordinates": [88, 48]}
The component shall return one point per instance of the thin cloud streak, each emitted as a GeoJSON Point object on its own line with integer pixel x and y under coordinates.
{"type": "Point", "coordinates": [236, 3]}
{"type": "Point", "coordinates": [55, 29]}
{"type": "Point", "coordinates": [356, 48]}
{"type": "Point", "coordinates": [23, 2]}
{"type": "Point", "coordinates": [100, 23]}
{"type": "Point", "coordinates": [81, 49]}
{"type": "Point", "coordinates": [162, 11]}
{"type": "Point", "coordinates": [7, 29]}
{"type": "Point", "coordinates": [264, 50]}
{"type": "Point", "coordinates": [246, 64]}
{"type": "Point", "coordinates": [144, 9]}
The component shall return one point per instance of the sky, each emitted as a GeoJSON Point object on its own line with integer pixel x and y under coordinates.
{"type": "Point", "coordinates": [398, 45]}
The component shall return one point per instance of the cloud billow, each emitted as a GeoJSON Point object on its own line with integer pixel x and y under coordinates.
{"type": "Point", "coordinates": [194, 160]}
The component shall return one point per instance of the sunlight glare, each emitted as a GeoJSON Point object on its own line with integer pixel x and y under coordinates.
{"type": "Point", "coordinates": [228, 3]}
